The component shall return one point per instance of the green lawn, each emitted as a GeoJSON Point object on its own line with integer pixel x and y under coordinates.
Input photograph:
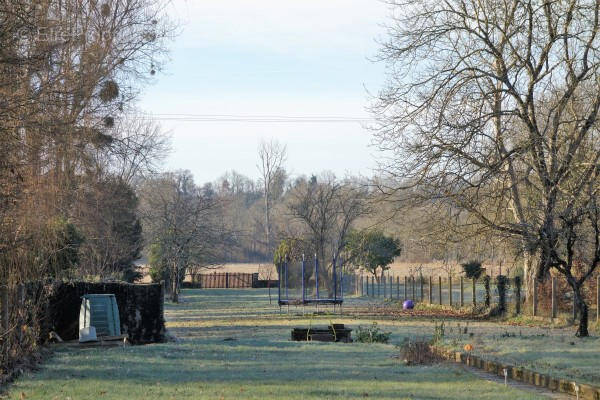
{"type": "Point", "coordinates": [235, 346]}
{"type": "Point", "coordinates": [556, 352]}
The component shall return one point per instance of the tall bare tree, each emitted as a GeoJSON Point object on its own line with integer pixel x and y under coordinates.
{"type": "Point", "coordinates": [272, 156]}
{"type": "Point", "coordinates": [492, 107]}
{"type": "Point", "coordinates": [184, 222]}
{"type": "Point", "coordinates": [69, 70]}
{"type": "Point", "coordinates": [327, 209]}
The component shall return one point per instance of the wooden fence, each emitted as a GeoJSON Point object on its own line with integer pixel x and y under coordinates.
{"type": "Point", "coordinates": [225, 280]}
{"type": "Point", "coordinates": [549, 299]}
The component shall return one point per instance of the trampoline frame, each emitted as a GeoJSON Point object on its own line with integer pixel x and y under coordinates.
{"type": "Point", "coordinates": [283, 295]}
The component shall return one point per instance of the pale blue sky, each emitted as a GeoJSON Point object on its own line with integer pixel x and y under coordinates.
{"type": "Point", "coordinates": [267, 57]}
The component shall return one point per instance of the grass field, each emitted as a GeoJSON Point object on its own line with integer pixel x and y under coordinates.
{"type": "Point", "coordinates": [235, 346]}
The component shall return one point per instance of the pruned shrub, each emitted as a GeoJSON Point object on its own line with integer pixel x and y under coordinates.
{"type": "Point", "coordinates": [486, 285]}
{"type": "Point", "coordinates": [472, 269]}
{"type": "Point", "coordinates": [502, 284]}
{"type": "Point", "coordinates": [372, 334]}
{"type": "Point", "coordinates": [518, 284]}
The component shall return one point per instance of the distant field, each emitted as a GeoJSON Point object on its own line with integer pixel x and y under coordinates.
{"type": "Point", "coordinates": [398, 268]}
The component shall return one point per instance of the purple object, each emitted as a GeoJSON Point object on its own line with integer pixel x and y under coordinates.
{"type": "Point", "coordinates": [408, 305]}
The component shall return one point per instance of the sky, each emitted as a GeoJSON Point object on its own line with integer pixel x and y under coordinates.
{"type": "Point", "coordinates": [238, 61]}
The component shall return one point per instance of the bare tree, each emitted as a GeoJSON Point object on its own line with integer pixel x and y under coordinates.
{"type": "Point", "coordinates": [70, 69]}
{"type": "Point", "coordinates": [327, 209]}
{"type": "Point", "coordinates": [184, 222]}
{"type": "Point", "coordinates": [492, 108]}
{"type": "Point", "coordinates": [272, 156]}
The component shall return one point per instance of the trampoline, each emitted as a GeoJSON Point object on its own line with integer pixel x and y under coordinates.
{"type": "Point", "coordinates": [301, 284]}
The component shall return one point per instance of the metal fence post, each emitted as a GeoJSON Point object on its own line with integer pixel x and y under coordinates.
{"type": "Point", "coordinates": [373, 286]}
{"type": "Point", "coordinates": [474, 292]}
{"type": "Point", "coordinates": [405, 288]}
{"type": "Point", "coordinates": [450, 290]}
{"type": "Point", "coordinates": [462, 292]}
{"type": "Point", "coordinates": [430, 290]}
{"type": "Point", "coordinates": [440, 289]}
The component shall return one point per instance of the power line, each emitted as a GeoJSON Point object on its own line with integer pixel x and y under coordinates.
{"type": "Point", "coordinates": [256, 118]}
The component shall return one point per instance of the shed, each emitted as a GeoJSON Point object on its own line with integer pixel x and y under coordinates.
{"type": "Point", "coordinates": [101, 312]}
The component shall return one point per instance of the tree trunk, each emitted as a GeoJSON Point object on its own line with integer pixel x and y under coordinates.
{"type": "Point", "coordinates": [528, 275]}
{"type": "Point", "coordinates": [267, 222]}
{"type": "Point", "coordinates": [174, 284]}
{"type": "Point", "coordinates": [582, 330]}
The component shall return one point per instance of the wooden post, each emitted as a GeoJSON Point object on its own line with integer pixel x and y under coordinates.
{"type": "Point", "coordinates": [450, 289]}
{"type": "Point", "coordinates": [421, 281]}
{"type": "Point", "coordinates": [227, 279]}
{"type": "Point", "coordinates": [405, 288]}
{"type": "Point", "coordinates": [373, 286]}
{"type": "Point", "coordinates": [430, 290]}
{"type": "Point", "coordinates": [474, 292]}
{"type": "Point", "coordinates": [534, 300]}
{"type": "Point", "coordinates": [4, 307]}
{"type": "Point", "coordinates": [462, 292]}
{"type": "Point", "coordinates": [554, 294]}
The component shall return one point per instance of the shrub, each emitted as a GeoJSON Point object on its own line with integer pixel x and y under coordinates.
{"type": "Point", "coordinates": [502, 285]}
{"type": "Point", "coordinates": [486, 285]}
{"type": "Point", "coordinates": [472, 269]}
{"type": "Point", "coordinates": [518, 294]}
{"type": "Point", "coordinates": [372, 334]}
{"type": "Point", "coordinates": [438, 333]}
{"type": "Point", "coordinates": [417, 352]}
